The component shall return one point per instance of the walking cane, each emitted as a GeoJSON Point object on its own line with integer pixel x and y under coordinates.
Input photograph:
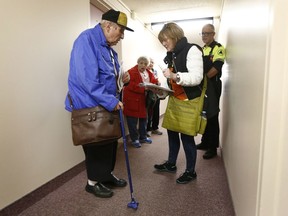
{"type": "Point", "coordinates": [133, 204]}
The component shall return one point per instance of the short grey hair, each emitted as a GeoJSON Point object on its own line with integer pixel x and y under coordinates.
{"type": "Point", "coordinates": [143, 58]}
{"type": "Point", "coordinates": [210, 26]}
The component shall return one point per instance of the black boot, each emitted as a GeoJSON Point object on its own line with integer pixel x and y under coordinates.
{"type": "Point", "coordinates": [210, 153]}
{"type": "Point", "coordinates": [202, 146]}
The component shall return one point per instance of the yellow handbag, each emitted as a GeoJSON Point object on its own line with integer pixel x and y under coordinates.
{"type": "Point", "coordinates": [186, 116]}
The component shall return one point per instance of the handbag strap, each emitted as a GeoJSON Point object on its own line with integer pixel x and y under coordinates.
{"type": "Point", "coordinates": [116, 73]}
{"type": "Point", "coordinates": [201, 102]}
{"type": "Point", "coordinates": [204, 87]}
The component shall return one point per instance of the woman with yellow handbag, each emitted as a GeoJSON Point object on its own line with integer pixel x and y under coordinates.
{"type": "Point", "coordinates": [182, 118]}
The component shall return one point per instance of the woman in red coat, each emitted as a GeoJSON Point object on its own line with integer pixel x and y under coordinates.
{"type": "Point", "coordinates": [134, 101]}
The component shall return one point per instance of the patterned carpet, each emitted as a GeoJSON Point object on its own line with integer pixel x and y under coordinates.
{"type": "Point", "coordinates": [158, 194]}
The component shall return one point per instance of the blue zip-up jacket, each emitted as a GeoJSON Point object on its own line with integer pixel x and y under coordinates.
{"type": "Point", "coordinates": [91, 79]}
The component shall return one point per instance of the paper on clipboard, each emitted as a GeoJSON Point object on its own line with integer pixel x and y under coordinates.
{"type": "Point", "coordinates": [152, 86]}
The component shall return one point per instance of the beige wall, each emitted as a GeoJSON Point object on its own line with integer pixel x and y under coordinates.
{"type": "Point", "coordinates": [36, 40]}
{"type": "Point", "coordinates": [273, 187]}
{"type": "Point", "coordinates": [254, 129]}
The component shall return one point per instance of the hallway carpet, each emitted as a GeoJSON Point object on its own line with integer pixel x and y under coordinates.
{"type": "Point", "coordinates": [158, 194]}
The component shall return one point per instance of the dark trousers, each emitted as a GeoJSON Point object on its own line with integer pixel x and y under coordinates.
{"type": "Point", "coordinates": [100, 161]}
{"type": "Point", "coordinates": [211, 136]}
{"type": "Point", "coordinates": [136, 131]}
{"type": "Point", "coordinates": [188, 146]}
{"type": "Point", "coordinates": [153, 117]}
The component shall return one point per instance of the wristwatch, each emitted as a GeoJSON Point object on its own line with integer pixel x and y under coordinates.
{"type": "Point", "coordinates": [177, 77]}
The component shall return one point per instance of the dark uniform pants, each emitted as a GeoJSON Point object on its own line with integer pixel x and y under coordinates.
{"type": "Point", "coordinates": [211, 136]}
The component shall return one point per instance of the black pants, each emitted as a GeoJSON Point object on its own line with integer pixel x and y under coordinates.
{"type": "Point", "coordinates": [153, 117]}
{"type": "Point", "coordinates": [100, 161]}
{"type": "Point", "coordinates": [211, 136]}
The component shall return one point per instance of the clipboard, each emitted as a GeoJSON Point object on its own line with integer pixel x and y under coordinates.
{"type": "Point", "coordinates": [152, 86]}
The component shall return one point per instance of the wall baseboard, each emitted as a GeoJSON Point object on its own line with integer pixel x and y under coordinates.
{"type": "Point", "coordinates": [30, 199]}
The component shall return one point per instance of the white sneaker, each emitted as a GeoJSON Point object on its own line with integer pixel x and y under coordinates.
{"type": "Point", "coordinates": [148, 133]}
{"type": "Point", "coordinates": [157, 132]}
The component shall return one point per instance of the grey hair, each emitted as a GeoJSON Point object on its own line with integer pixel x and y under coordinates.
{"type": "Point", "coordinates": [104, 23]}
{"type": "Point", "coordinates": [143, 58]}
{"type": "Point", "coordinates": [210, 26]}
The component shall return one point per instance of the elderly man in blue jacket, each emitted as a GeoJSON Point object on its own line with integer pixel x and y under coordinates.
{"type": "Point", "coordinates": [94, 68]}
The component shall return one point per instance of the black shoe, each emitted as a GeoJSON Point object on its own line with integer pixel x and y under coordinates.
{"type": "Point", "coordinates": [202, 146]}
{"type": "Point", "coordinates": [166, 167]}
{"type": "Point", "coordinates": [210, 153]}
{"type": "Point", "coordinates": [186, 177]}
{"type": "Point", "coordinates": [116, 182]}
{"type": "Point", "coordinates": [99, 190]}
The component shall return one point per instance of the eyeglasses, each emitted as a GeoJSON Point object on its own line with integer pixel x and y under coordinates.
{"type": "Point", "coordinates": [205, 33]}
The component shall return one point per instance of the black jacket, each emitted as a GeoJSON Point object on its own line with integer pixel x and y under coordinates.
{"type": "Point", "coordinates": [177, 61]}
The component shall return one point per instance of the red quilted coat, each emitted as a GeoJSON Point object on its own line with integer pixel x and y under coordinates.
{"type": "Point", "coordinates": [134, 95]}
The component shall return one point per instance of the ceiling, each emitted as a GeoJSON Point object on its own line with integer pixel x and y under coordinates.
{"type": "Point", "coordinates": [154, 11]}
{"type": "Point", "coordinates": [151, 12]}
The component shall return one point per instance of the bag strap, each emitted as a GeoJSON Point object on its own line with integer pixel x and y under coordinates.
{"type": "Point", "coordinates": [117, 77]}
{"type": "Point", "coordinates": [203, 93]}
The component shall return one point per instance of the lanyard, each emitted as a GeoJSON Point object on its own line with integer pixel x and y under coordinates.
{"type": "Point", "coordinates": [116, 74]}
